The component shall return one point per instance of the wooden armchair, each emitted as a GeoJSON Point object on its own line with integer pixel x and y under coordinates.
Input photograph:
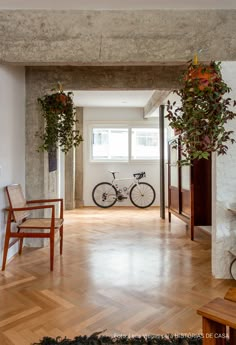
{"type": "Point", "coordinates": [19, 213]}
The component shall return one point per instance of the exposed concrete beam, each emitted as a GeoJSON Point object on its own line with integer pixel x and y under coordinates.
{"type": "Point", "coordinates": [37, 37]}
{"type": "Point", "coordinates": [154, 102]}
{"type": "Point", "coordinates": [109, 77]}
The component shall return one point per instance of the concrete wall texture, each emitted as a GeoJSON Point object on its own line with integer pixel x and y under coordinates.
{"type": "Point", "coordinates": [37, 37]}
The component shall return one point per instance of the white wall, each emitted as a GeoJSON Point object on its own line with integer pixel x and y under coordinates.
{"type": "Point", "coordinates": [224, 193]}
{"type": "Point", "coordinates": [173, 97]}
{"type": "Point", "coordinates": [12, 136]}
{"type": "Point", "coordinates": [61, 174]}
{"type": "Point", "coordinates": [95, 172]}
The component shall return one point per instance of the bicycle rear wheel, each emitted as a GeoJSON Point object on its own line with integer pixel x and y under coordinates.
{"type": "Point", "coordinates": [142, 195]}
{"type": "Point", "coordinates": [104, 195]}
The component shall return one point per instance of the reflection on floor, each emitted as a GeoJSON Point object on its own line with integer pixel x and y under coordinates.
{"type": "Point", "coordinates": [123, 269]}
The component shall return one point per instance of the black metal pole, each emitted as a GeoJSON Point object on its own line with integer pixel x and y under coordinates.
{"type": "Point", "coordinates": [162, 161]}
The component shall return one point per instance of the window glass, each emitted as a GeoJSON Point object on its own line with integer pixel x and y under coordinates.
{"type": "Point", "coordinates": [110, 143]}
{"type": "Point", "coordinates": [113, 144]}
{"type": "Point", "coordinates": [145, 143]}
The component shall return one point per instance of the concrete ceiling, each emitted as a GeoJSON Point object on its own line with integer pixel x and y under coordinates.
{"type": "Point", "coordinates": [112, 98]}
{"type": "Point", "coordinates": [117, 5]}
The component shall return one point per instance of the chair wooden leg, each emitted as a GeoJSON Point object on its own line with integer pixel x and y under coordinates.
{"type": "Point", "coordinates": [51, 252]}
{"type": "Point", "coordinates": [6, 245]}
{"type": "Point", "coordinates": [20, 246]}
{"type": "Point", "coordinates": [61, 239]}
{"type": "Point", "coordinates": [7, 240]}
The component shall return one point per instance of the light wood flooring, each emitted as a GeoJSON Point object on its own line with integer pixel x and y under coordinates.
{"type": "Point", "coordinates": [123, 269]}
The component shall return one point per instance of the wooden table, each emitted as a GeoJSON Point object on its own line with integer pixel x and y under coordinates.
{"type": "Point", "coordinates": [216, 316]}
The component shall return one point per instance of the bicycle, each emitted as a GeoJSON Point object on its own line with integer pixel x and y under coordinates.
{"type": "Point", "coordinates": [141, 194]}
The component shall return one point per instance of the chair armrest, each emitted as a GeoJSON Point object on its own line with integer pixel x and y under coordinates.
{"type": "Point", "coordinates": [29, 208]}
{"type": "Point", "coordinates": [42, 200]}
{"type": "Point", "coordinates": [52, 207]}
{"type": "Point", "coordinates": [48, 200]}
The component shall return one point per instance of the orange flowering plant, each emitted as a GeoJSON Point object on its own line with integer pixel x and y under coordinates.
{"type": "Point", "coordinates": [204, 111]}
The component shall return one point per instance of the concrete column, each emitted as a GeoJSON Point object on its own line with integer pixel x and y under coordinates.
{"type": "Point", "coordinates": [79, 202]}
{"type": "Point", "coordinates": [70, 180]}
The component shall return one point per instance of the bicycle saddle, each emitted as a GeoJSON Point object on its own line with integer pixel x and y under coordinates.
{"type": "Point", "coordinates": [114, 173]}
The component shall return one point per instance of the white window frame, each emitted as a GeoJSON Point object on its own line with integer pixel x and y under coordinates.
{"type": "Point", "coordinates": [128, 126]}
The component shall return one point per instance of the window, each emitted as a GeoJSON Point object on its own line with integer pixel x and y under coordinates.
{"type": "Point", "coordinates": [145, 143]}
{"type": "Point", "coordinates": [125, 144]}
{"type": "Point", "coordinates": [110, 144]}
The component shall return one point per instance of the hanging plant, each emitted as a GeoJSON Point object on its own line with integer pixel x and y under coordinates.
{"type": "Point", "coordinates": [59, 114]}
{"type": "Point", "coordinates": [203, 114]}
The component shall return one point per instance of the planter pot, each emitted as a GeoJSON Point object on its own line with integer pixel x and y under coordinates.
{"type": "Point", "coordinates": [206, 76]}
{"type": "Point", "coordinates": [61, 101]}
{"type": "Point", "coordinates": [61, 98]}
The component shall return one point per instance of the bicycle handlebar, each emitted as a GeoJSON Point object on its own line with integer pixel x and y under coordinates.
{"type": "Point", "coordinates": [140, 175]}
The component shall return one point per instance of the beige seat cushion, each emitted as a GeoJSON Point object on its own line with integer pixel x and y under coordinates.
{"type": "Point", "coordinates": [42, 223]}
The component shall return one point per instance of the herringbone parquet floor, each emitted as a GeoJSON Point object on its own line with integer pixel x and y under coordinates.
{"type": "Point", "coordinates": [123, 270]}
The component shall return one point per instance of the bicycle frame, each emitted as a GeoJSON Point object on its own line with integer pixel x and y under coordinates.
{"type": "Point", "coordinates": [114, 183]}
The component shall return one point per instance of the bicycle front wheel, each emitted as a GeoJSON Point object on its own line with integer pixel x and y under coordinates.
{"type": "Point", "coordinates": [232, 269]}
{"type": "Point", "coordinates": [104, 195]}
{"type": "Point", "coordinates": [142, 195]}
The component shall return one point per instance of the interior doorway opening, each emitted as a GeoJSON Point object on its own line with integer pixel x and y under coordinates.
{"type": "Point", "coordinates": [121, 133]}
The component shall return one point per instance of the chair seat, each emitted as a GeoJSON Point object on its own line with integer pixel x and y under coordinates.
{"type": "Point", "coordinates": [40, 223]}
{"type": "Point", "coordinates": [19, 213]}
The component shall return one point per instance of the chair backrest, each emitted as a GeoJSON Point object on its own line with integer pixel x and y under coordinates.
{"type": "Point", "coordinates": [17, 200]}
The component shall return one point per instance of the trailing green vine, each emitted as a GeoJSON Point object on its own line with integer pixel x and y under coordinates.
{"type": "Point", "coordinates": [201, 118]}
{"type": "Point", "coordinates": [167, 339]}
{"type": "Point", "coordinates": [59, 114]}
